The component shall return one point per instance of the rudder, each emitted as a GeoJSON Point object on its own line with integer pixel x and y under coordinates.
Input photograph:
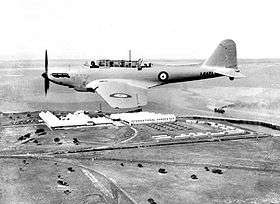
{"type": "Point", "coordinates": [224, 55]}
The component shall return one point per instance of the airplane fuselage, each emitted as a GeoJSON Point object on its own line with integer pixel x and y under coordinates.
{"type": "Point", "coordinates": [78, 78]}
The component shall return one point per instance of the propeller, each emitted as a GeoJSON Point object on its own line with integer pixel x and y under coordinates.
{"type": "Point", "coordinates": [45, 74]}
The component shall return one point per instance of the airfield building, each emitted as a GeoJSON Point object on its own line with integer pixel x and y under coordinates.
{"type": "Point", "coordinates": [143, 117]}
{"type": "Point", "coordinates": [78, 118]}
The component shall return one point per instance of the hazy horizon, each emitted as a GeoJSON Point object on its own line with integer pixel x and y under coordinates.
{"type": "Point", "coordinates": [126, 58]}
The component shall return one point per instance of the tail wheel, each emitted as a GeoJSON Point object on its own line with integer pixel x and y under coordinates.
{"type": "Point", "coordinates": [163, 76]}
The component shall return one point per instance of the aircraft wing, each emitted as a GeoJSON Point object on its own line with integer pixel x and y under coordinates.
{"type": "Point", "coordinates": [229, 72]}
{"type": "Point", "coordinates": [120, 93]}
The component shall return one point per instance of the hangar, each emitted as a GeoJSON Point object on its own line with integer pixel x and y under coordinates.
{"type": "Point", "coordinates": [143, 117]}
{"type": "Point", "coordinates": [78, 118]}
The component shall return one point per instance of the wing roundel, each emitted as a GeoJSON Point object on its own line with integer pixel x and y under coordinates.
{"type": "Point", "coordinates": [119, 94]}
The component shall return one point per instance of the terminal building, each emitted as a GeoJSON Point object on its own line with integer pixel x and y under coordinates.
{"type": "Point", "coordinates": [143, 117]}
{"type": "Point", "coordinates": [77, 119]}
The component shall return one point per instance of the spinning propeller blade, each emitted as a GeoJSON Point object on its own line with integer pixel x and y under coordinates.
{"type": "Point", "coordinates": [45, 74]}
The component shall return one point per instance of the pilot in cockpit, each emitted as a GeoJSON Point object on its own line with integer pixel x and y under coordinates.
{"type": "Point", "coordinates": [93, 65]}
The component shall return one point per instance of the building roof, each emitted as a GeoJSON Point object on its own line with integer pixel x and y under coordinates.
{"type": "Point", "coordinates": [140, 116]}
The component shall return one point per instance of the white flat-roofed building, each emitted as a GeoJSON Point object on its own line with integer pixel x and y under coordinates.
{"type": "Point", "coordinates": [78, 118]}
{"type": "Point", "coordinates": [101, 120]}
{"type": "Point", "coordinates": [182, 136]}
{"type": "Point", "coordinates": [143, 117]}
{"type": "Point", "coordinates": [161, 137]}
{"type": "Point", "coordinates": [50, 119]}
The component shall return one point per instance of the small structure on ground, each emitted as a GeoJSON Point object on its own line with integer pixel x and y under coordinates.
{"type": "Point", "coordinates": [151, 201]}
{"type": "Point", "coordinates": [76, 141]}
{"type": "Point", "coordinates": [162, 171]}
{"type": "Point", "coordinates": [63, 183]}
{"type": "Point", "coordinates": [70, 169]}
{"type": "Point", "coordinates": [193, 176]}
{"type": "Point", "coordinates": [219, 110]}
{"type": "Point", "coordinates": [217, 171]}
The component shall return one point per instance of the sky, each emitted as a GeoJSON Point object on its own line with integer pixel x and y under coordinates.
{"type": "Point", "coordinates": [152, 29]}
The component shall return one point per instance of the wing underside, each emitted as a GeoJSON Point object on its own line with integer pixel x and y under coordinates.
{"type": "Point", "coordinates": [120, 94]}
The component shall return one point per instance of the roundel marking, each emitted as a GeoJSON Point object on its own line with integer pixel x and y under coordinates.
{"type": "Point", "coordinates": [163, 76]}
{"type": "Point", "coordinates": [120, 95]}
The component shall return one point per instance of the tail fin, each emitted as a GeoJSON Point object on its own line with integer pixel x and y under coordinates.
{"type": "Point", "coordinates": [224, 55]}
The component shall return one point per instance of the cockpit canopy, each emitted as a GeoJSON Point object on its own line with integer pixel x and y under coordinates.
{"type": "Point", "coordinates": [58, 75]}
{"type": "Point", "coordinates": [118, 63]}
